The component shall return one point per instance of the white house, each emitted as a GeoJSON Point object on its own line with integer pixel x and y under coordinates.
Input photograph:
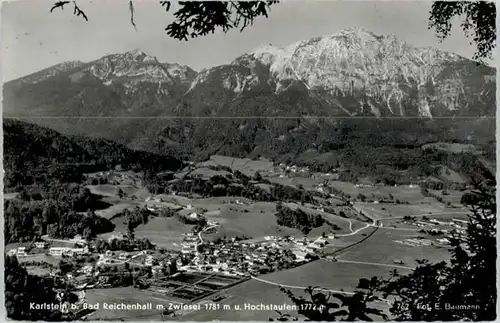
{"type": "Point", "coordinates": [40, 244]}
{"type": "Point", "coordinates": [59, 251]}
{"type": "Point", "coordinates": [21, 251]}
{"type": "Point", "coordinates": [149, 261]}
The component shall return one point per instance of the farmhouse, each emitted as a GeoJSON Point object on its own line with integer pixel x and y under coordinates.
{"type": "Point", "coordinates": [59, 251]}
{"type": "Point", "coordinates": [300, 254]}
{"type": "Point", "coordinates": [41, 244]}
{"type": "Point", "coordinates": [21, 251]}
{"type": "Point", "coordinates": [118, 236]}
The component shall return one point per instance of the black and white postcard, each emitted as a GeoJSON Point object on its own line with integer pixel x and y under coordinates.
{"type": "Point", "coordinates": [249, 161]}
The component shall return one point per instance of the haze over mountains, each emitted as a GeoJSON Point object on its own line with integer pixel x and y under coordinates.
{"type": "Point", "coordinates": [352, 73]}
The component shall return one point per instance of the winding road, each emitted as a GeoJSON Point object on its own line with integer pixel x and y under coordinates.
{"type": "Point", "coordinates": [354, 232]}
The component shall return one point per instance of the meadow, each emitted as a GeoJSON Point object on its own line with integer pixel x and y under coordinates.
{"type": "Point", "coordinates": [381, 248]}
{"type": "Point", "coordinates": [265, 289]}
{"type": "Point", "coordinates": [406, 193]}
{"type": "Point", "coordinates": [381, 211]}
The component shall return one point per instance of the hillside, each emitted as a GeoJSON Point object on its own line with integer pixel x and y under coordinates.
{"type": "Point", "coordinates": [33, 153]}
{"type": "Point", "coordinates": [339, 92]}
{"type": "Point", "coordinates": [355, 72]}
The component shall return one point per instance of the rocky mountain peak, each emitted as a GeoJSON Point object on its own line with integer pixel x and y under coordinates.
{"type": "Point", "coordinates": [49, 72]}
{"type": "Point", "coordinates": [370, 73]}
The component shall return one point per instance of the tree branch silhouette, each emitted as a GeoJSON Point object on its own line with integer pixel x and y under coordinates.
{"type": "Point", "coordinates": [199, 18]}
{"type": "Point", "coordinates": [78, 12]}
{"type": "Point", "coordinates": [131, 8]}
{"type": "Point", "coordinates": [59, 4]}
{"type": "Point", "coordinates": [478, 23]}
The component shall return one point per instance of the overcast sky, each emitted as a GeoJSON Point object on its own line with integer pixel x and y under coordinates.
{"type": "Point", "coordinates": [33, 38]}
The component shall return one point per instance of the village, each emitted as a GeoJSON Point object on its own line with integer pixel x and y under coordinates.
{"type": "Point", "coordinates": [82, 264]}
{"type": "Point", "coordinates": [203, 261]}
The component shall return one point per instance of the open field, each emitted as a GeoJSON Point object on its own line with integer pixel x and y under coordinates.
{"type": "Point", "coordinates": [338, 244]}
{"type": "Point", "coordinates": [245, 165]}
{"type": "Point", "coordinates": [210, 204]}
{"type": "Point", "coordinates": [452, 147]}
{"type": "Point", "coordinates": [110, 196]}
{"type": "Point", "coordinates": [111, 190]}
{"type": "Point", "coordinates": [164, 232]}
{"type": "Point", "coordinates": [207, 173]}
{"type": "Point", "coordinates": [38, 271]}
{"type": "Point", "coordinates": [117, 206]}
{"type": "Point", "coordinates": [452, 196]}
{"type": "Point", "coordinates": [322, 273]}
{"type": "Point", "coordinates": [381, 248]}
{"type": "Point", "coordinates": [40, 257]}
{"type": "Point", "coordinates": [402, 193]}
{"type": "Point", "coordinates": [382, 211]}
{"type": "Point", "coordinates": [253, 220]}
{"type": "Point", "coordinates": [308, 183]}
{"type": "Point", "coordinates": [341, 222]}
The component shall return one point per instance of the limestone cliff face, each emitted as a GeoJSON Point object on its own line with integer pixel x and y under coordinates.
{"type": "Point", "coordinates": [358, 72]}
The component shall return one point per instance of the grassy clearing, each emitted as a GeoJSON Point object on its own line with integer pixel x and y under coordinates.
{"type": "Point", "coordinates": [454, 148]}
{"type": "Point", "coordinates": [453, 197]}
{"type": "Point", "coordinates": [110, 190]}
{"type": "Point", "coordinates": [38, 271]}
{"type": "Point", "coordinates": [341, 222]}
{"type": "Point", "coordinates": [330, 275]}
{"type": "Point", "coordinates": [117, 206]}
{"type": "Point", "coordinates": [402, 193]}
{"type": "Point", "coordinates": [164, 232]}
{"type": "Point", "coordinates": [308, 183]}
{"type": "Point", "coordinates": [245, 165]}
{"type": "Point", "coordinates": [208, 173]}
{"type": "Point", "coordinates": [380, 211]}
{"type": "Point", "coordinates": [254, 220]}
{"type": "Point", "coordinates": [381, 248]}
{"type": "Point", "coordinates": [322, 273]}
{"type": "Point", "coordinates": [40, 257]}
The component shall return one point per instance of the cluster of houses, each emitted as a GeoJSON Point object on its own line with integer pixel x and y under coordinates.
{"type": "Point", "coordinates": [293, 170]}
{"type": "Point", "coordinates": [69, 247]}
{"type": "Point", "coordinates": [457, 224]}
{"type": "Point", "coordinates": [304, 247]}
{"type": "Point", "coordinates": [456, 228]}
{"type": "Point", "coordinates": [416, 242]}
{"type": "Point", "coordinates": [237, 258]}
{"type": "Point", "coordinates": [189, 243]}
{"type": "Point", "coordinates": [240, 258]}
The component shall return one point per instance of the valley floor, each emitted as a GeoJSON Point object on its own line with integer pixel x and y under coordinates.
{"type": "Point", "coordinates": [370, 239]}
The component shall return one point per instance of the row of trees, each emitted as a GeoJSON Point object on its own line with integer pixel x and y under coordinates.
{"type": "Point", "coordinates": [102, 246]}
{"type": "Point", "coordinates": [297, 219]}
{"type": "Point", "coordinates": [28, 221]}
{"type": "Point", "coordinates": [54, 209]}
{"type": "Point", "coordinates": [234, 184]}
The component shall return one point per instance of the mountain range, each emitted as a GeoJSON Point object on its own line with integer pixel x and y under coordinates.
{"type": "Point", "coordinates": [330, 88]}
